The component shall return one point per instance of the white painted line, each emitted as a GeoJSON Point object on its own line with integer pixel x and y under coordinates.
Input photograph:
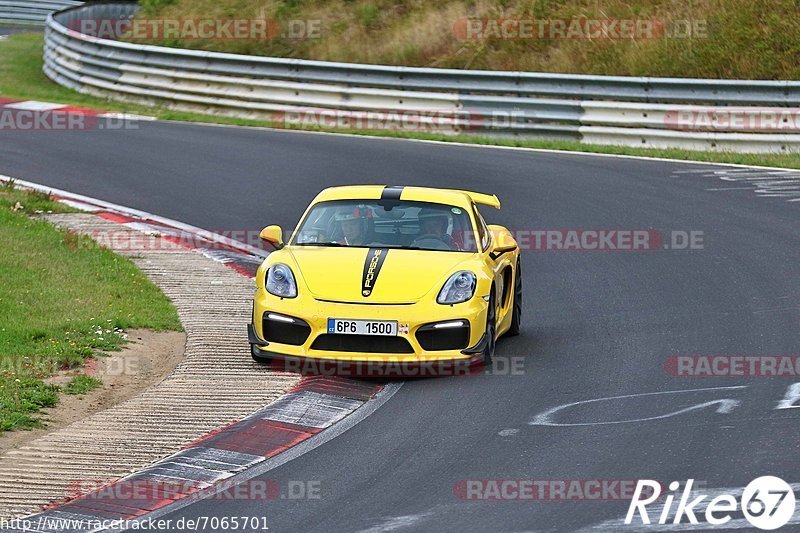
{"type": "Point", "coordinates": [756, 176]}
{"type": "Point", "coordinates": [226, 256]}
{"type": "Point", "coordinates": [741, 171]}
{"type": "Point", "coordinates": [724, 406]}
{"type": "Point", "coordinates": [146, 228]}
{"type": "Point", "coordinates": [82, 206]}
{"type": "Point", "coordinates": [108, 206]}
{"type": "Point", "coordinates": [487, 146]}
{"type": "Point", "coordinates": [712, 171]}
{"type": "Point", "coordinates": [792, 395]}
{"type": "Point", "coordinates": [33, 105]}
{"type": "Point", "coordinates": [733, 189]}
{"type": "Point", "coordinates": [210, 457]}
{"type": "Point", "coordinates": [127, 116]}
{"type": "Point", "coordinates": [778, 183]}
{"type": "Point", "coordinates": [395, 523]}
{"type": "Point", "coordinates": [310, 409]}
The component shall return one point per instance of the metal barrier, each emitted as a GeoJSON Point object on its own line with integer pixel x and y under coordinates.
{"type": "Point", "coordinates": [687, 113]}
{"type": "Point", "coordinates": [31, 13]}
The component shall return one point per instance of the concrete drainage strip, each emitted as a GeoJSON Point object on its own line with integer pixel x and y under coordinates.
{"type": "Point", "coordinates": [166, 443]}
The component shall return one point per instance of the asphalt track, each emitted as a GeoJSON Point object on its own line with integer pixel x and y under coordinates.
{"type": "Point", "coordinates": [10, 30]}
{"type": "Point", "coordinates": [596, 324]}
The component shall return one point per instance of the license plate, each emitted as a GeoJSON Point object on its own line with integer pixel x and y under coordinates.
{"type": "Point", "coordinates": [362, 327]}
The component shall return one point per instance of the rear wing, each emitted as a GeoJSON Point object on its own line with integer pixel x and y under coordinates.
{"type": "Point", "coordinates": [484, 199]}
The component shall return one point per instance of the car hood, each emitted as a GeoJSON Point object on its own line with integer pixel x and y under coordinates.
{"type": "Point", "coordinates": [373, 275]}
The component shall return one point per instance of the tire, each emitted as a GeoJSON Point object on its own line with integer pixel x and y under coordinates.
{"type": "Point", "coordinates": [491, 330]}
{"type": "Point", "coordinates": [516, 314]}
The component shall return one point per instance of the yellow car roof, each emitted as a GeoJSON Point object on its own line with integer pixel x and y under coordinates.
{"type": "Point", "coordinates": [421, 194]}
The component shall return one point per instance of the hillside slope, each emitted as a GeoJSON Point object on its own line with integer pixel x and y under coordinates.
{"type": "Point", "coordinates": [680, 38]}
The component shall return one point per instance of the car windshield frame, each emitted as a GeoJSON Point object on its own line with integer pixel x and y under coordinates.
{"type": "Point", "coordinates": [469, 242]}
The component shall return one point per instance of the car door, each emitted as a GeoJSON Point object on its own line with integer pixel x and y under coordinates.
{"type": "Point", "coordinates": [499, 266]}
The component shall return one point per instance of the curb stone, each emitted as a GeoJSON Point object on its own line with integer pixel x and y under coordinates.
{"type": "Point", "coordinates": [215, 384]}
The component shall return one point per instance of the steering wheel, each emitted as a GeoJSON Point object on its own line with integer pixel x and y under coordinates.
{"type": "Point", "coordinates": [430, 241]}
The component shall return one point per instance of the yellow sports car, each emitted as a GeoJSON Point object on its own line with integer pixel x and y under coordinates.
{"type": "Point", "coordinates": [388, 274]}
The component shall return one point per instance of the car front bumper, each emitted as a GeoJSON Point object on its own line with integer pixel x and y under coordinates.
{"type": "Point", "coordinates": [309, 337]}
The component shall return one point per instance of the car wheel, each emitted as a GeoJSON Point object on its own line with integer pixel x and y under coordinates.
{"type": "Point", "coordinates": [516, 314]}
{"type": "Point", "coordinates": [259, 358]}
{"type": "Point", "coordinates": [491, 328]}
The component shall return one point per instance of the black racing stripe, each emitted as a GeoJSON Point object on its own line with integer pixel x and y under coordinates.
{"type": "Point", "coordinates": [392, 192]}
{"type": "Point", "coordinates": [372, 267]}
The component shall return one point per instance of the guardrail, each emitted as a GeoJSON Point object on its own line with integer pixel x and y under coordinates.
{"type": "Point", "coordinates": [31, 13]}
{"type": "Point", "coordinates": [735, 115]}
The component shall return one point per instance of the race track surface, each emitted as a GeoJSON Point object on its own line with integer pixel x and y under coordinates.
{"type": "Point", "coordinates": [11, 29]}
{"type": "Point", "coordinates": [597, 324]}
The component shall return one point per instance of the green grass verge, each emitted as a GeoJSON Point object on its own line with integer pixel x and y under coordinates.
{"type": "Point", "coordinates": [81, 384]}
{"type": "Point", "coordinates": [21, 77]}
{"type": "Point", "coordinates": [62, 299]}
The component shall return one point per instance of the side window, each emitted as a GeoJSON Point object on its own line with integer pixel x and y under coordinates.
{"type": "Point", "coordinates": [483, 230]}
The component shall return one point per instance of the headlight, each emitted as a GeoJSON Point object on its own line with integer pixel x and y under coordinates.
{"type": "Point", "coordinates": [280, 281]}
{"type": "Point", "coordinates": [459, 288]}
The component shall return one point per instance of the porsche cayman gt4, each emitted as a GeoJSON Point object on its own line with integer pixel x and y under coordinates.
{"type": "Point", "coordinates": [388, 274]}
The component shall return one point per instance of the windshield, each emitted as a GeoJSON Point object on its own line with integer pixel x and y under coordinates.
{"type": "Point", "coordinates": [387, 224]}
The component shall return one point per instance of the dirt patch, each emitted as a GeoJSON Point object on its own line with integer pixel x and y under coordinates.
{"type": "Point", "coordinates": [147, 359]}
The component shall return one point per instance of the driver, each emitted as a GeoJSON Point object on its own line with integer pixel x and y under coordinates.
{"type": "Point", "coordinates": [433, 224]}
{"type": "Point", "coordinates": [353, 221]}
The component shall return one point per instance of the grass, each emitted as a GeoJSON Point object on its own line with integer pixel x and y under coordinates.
{"type": "Point", "coordinates": [81, 384]}
{"type": "Point", "coordinates": [22, 396]}
{"type": "Point", "coordinates": [62, 300]}
{"type": "Point", "coordinates": [21, 74]}
{"type": "Point", "coordinates": [21, 77]}
{"type": "Point", "coordinates": [750, 39]}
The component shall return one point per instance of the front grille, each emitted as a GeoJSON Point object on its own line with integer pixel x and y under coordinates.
{"type": "Point", "coordinates": [432, 339]}
{"type": "Point", "coordinates": [294, 333]}
{"type": "Point", "coordinates": [333, 342]}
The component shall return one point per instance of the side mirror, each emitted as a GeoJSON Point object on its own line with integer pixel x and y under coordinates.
{"type": "Point", "coordinates": [502, 241]}
{"type": "Point", "coordinates": [273, 235]}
